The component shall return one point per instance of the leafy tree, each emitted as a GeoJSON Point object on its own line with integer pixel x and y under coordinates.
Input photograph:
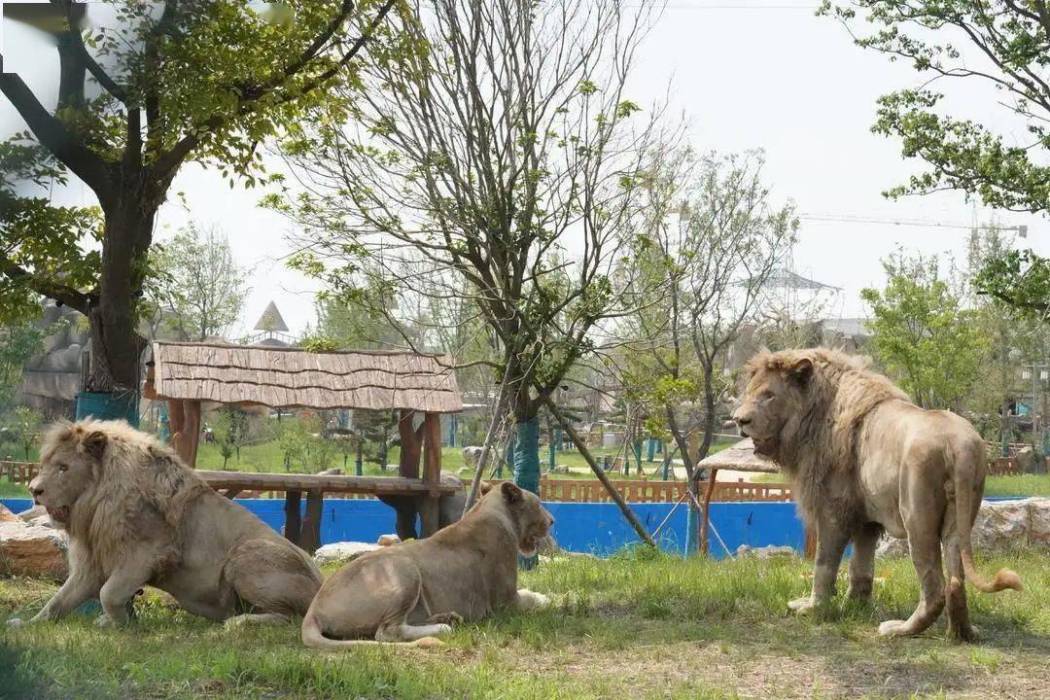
{"type": "Point", "coordinates": [200, 81]}
{"type": "Point", "coordinates": [196, 287]}
{"type": "Point", "coordinates": [923, 336]}
{"type": "Point", "coordinates": [25, 424]}
{"type": "Point", "coordinates": [230, 428]}
{"type": "Point", "coordinates": [1005, 44]}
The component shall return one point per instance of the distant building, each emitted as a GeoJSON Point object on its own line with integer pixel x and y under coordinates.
{"type": "Point", "coordinates": [271, 329]}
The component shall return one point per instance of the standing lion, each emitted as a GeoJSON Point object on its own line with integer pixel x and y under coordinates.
{"type": "Point", "coordinates": [137, 515]}
{"type": "Point", "coordinates": [862, 459]}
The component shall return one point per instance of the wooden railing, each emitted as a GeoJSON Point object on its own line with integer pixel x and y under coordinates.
{"type": "Point", "coordinates": [19, 472]}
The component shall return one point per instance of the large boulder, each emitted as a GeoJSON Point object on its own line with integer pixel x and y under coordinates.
{"type": "Point", "coordinates": [1000, 526]}
{"type": "Point", "coordinates": [6, 516]}
{"type": "Point", "coordinates": [32, 550]}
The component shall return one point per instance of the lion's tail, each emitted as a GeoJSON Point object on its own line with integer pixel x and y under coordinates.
{"type": "Point", "coordinates": [314, 638]}
{"type": "Point", "coordinates": [966, 471]}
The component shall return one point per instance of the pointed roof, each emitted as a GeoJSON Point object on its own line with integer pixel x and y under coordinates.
{"type": "Point", "coordinates": [271, 320]}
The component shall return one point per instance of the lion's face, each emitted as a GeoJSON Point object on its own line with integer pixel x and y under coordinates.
{"type": "Point", "coordinates": [68, 470]}
{"type": "Point", "coordinates": [531, 519]}
{"type": "Point", "coordinates": [771, 404]}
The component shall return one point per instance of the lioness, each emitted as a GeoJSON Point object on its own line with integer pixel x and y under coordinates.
{"type": "Point", "coordinates": [862, 459]}
{"type": "Point", "coordinates": [137, 515]}
{"type": "Point", "coordinates": [411, 592]}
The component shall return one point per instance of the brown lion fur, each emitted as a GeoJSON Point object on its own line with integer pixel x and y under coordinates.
{"type": "Point", "coordinates": [864, 459]}
{"type": "Point", "coordinates": [136, 471]}
{"type": "Point", "coordinates": [136, 516]}
{"type": "Point", "coordinates": [840, 393]}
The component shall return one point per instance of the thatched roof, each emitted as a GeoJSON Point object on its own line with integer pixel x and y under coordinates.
{"type": "Point", "coordinates": [740, 457]}
{"type": "Point", "coordinates": [293, 377]}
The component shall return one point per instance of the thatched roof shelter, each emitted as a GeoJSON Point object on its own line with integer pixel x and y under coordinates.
{"type": "Point", "coordinates": [739, 457]}
{"type": "Point", "coordinates": [292, 377]}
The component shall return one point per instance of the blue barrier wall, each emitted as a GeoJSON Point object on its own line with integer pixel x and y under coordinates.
{"type": "Point", "coordinates": [596, 528]}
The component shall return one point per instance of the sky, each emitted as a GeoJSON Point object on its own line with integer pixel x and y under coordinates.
{"type": "Point", "coordinates": [745, 74]}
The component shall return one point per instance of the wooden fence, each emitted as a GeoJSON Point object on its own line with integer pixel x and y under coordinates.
{"type": "Point", "coordinates": [589, 491]}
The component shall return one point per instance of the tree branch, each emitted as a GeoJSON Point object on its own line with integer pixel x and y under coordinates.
{"type": "Point", "coordinates": [54, 136]}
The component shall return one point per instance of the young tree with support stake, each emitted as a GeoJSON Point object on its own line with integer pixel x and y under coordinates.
{"type": "Point", "coordinates": [169, 83]}
{"type": "Point", "coordinates": [711, 237]}
{"type": "Point", "coordinates": [502, 154]}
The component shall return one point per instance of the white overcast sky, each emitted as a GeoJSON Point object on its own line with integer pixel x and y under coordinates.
{"type": "Point", "coordinates": [748, 75]}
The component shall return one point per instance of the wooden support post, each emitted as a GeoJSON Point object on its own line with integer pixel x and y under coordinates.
{"type": "Point", "coordinates": [185, 420]}
{"type": "Point", "coordinates": [706, 522]}
{"type": "Point", "coordinates": [408, 465]}
{"type": "Point", "coordinates": [291, 516]}
{"type": "Point", "coordinates": [431, 473]}
{"type": "Point", "coordinates": [311, 532]}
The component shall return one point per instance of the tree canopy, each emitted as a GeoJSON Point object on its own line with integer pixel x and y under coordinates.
{"type": "Point", "coordinates": [1005, 45]}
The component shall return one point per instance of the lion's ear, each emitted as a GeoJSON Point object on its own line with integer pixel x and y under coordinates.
{"type": "Point", "coordinates": [801, 372]}
{"type": "Point", "coordinates": [511, 492]}
{"type": "Point", "coordinates": [94, 444]}
{"type": "Point", "coordinates": [485, 487]}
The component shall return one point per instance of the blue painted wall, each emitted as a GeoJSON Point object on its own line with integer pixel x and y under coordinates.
{"type": "Point", "coordinates": [596, 528]}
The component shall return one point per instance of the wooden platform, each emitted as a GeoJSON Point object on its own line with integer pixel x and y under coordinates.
{"type": "Point", "coordinates": [264, 481]}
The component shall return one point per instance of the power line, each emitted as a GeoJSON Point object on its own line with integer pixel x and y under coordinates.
{"type": "Point", "coordinates": [1022, 230]}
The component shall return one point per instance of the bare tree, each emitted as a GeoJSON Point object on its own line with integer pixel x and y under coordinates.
{"type": "Point", "coordinates": [505, 158]}
{"type": "Point", "coordinates": [712, 239]}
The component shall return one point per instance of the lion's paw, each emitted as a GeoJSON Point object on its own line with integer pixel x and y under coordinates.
{"type": "Point", "coordinates": [448, 618]}
{"type": "Point", "coordinates": [893, 628]}
{"type": "Point", "coordinates": [442, 629]}
{"type": "Point", "coordinates": [802, 606]}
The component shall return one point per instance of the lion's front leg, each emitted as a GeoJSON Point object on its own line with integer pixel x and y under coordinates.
{"type": "Point", "coordinates": [862, 563]}
{"type": "Point", "coordinates": [80, 587]}
{"type": "Point", "coordinates": [118, 592]}
{"type": "Point", "coordinates": [528, 600]}
{"type": "Point", "coordinates": [831, 544]}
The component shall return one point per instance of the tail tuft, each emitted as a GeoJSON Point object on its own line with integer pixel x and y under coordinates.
{"type": "Point", "coordinates": [1005, 578]}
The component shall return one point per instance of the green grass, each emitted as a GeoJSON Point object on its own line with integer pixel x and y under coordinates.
{"type": "Point", "coordinates": [637, 625]}
{"type": "Point", "coordinates": [11, 490]}
{"type": "Point", "coordinates": [1019, 485]}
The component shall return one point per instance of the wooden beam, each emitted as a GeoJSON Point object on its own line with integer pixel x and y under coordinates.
{"type": "Point", "coordinates": [311, 534]}
{"type": "Point", "coordinates": [431, 473]}
{"type": "Point", "coordinates": [291, 516]}
{"type": "Point", "coordinates": [705, 523]}
{"type": "Point", "coordinates": [411, 447]}
{"type": "Point", "coordinates": [614, 494]}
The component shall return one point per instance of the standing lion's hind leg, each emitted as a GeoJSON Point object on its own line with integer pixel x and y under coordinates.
{"type": "Point", "coordinates": [924, 543]}
{"type": "Point", "coordinates": [959, 627]}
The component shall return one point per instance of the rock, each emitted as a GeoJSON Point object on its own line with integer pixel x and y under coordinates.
{"type": "Point", "coordinates": [471, 455]}
{"type": "Point", "coordinates": [335, 471]}
{"type": "Point", "coordinates": [7, 516]}
{"type": "Point", "coordinates": [1025, 459]}
{"type": "Point", "coordinates": [388, 540]}
{"type": "Point", "coordinates": [342, 552]}
{"type": "Point", "coordinates": [1000, 526]}
{"type": "Point", "coordinates": [33, 513]}
{"type": "Point", "coordinates": [892, 547]}
{"type": "Point", "coordinates": [765, 552]}
{"type": "Point", "coordinates": [32, 550]}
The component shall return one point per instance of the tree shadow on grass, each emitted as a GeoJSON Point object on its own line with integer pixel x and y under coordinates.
{"type": "Point", "coordinates": [14, 681]}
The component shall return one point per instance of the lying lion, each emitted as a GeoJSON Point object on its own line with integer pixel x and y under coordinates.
{"type": "Point", "coordinates": [136, 515]}
{"type": "Point", "coordinates": [411, 592]}
{"type": "Point", "coordinates": [863, 459]}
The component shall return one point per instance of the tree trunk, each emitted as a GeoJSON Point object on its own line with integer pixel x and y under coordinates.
{"type": "Point", "coordinates": [116, 346]}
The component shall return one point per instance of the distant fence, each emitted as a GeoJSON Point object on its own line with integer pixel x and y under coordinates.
{"type": "Point", "coordinates": [590, 491]}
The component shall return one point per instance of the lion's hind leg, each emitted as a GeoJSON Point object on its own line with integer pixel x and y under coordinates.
{"type": "Point", "coordinates": [272, 579]}
{"type": "Point", "coordinates": [924, 543]}
{"type": "Point", "coordinates": [959, 627]}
